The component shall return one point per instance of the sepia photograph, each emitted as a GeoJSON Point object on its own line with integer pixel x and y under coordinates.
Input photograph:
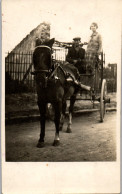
{"type": "Point", "coordinates": [61, 91]}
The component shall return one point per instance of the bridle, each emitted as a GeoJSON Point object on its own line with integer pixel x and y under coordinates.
{"type": "Point", "coordinates": [49, 72]}
{"type": "Point", "coordinates": [43, 70]}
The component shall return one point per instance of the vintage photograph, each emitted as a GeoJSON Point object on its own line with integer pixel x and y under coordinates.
{"type": "Point", "coordinates": [61, 82]}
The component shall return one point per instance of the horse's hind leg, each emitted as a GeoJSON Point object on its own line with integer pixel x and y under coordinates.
{"type": "Point", "coordinates": [72, 102]}
{"type": "Point", "coordinates": [58, 109]}
{"type": "Point", "coordinates": [62, 115]}
{"type": "Point", "coordinates": [42, 109]}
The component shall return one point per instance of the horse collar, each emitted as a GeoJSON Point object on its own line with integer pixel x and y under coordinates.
{"type": "Point", "coordinates": [43, 46]}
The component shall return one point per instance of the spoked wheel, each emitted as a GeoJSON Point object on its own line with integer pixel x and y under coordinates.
{"type": "Point", "coordinates": [102, 100]}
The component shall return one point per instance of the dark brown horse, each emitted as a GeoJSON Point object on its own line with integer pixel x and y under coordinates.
{"type": "Point", "coordinates": [53, 87]}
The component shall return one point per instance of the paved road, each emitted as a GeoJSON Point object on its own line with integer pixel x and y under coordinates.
{"type": "Point", "coordinates": [90, 140]}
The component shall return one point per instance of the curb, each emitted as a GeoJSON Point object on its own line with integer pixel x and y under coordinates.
{"type": "Point", "coordinates": [32, 118]}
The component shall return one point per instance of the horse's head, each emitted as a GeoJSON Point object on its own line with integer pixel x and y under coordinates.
{"type": "Point", "coordinates": [42, 56]}
{"type": "Point", "coordinates": [42, 59]}
{"type": "Point", "coordinates": [49, 43]}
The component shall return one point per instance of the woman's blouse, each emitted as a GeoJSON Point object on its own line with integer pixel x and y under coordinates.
{"type": "Point", "coordinates": [95, 43]}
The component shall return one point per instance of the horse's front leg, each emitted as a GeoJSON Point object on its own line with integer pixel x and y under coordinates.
{"type": "Point", "coordinates": [58, 110]}
{"type": "Point", "coordinates": [72, 102]}
{"type": "Point", "coordinates": [42, 109]}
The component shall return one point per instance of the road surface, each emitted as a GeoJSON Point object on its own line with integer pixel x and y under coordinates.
{"type": "Point", "coordinates": [90, 140]}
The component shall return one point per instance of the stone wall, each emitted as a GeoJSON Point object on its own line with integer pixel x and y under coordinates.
{"type": "Point", "coordinates": [28, 43]}
{"type": "Point", "coordinates": [19, 60]}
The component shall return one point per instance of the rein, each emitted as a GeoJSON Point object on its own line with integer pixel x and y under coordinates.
{"type": "Point", "coordinates": [40, 71]}
{"type": "Point", "coordinates": [48, 77]}
{"type": "Point", "coordinates": [49, 72]}
{"type": "Point", "coordinates": [58, 66]}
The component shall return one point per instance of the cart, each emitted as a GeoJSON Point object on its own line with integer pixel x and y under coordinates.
{"type": "Point", "coordinates": [97, 85]}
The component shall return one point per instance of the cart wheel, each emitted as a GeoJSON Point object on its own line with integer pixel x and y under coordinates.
{"type": "Point", "coordinates": [102, 100]}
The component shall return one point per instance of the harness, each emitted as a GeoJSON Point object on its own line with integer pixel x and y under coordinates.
{"type": "Point", "coordinates": [50, 73]}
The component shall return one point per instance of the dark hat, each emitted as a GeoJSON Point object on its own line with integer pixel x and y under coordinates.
{"type": "Point", "coordinates": [77, 38]}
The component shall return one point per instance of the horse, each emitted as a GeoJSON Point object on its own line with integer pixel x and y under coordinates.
{"type": "Point", "coordinates": [54, 83]}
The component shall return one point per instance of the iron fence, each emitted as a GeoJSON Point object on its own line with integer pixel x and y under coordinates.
{"type": "Point", "coordinates": [19, 65]}
{"type": "Point", "coordinates": [18, 68]}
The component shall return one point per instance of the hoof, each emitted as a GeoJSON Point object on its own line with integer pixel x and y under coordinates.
{"type": "Point", "coordinates": [68, 130]}
{"type": "Point", "coordinates": [40, 145]}
{"type": "Point", "coordinates": [56, 143]}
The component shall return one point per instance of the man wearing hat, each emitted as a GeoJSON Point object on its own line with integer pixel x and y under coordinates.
{"type": "Point", "coordinates": [76, 55]}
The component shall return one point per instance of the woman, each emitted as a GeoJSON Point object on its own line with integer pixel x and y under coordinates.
{"type": "Point", "coordinates": [94, 48]}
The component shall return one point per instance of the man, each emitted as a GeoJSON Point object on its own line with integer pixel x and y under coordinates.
{"type": "Point", "coordinates": [76, 60]}
{"type": "Point", "coordinates": [76, 55]}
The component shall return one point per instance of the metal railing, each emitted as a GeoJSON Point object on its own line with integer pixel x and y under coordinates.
{"type": "Point", "coordinates": [18, 66]}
